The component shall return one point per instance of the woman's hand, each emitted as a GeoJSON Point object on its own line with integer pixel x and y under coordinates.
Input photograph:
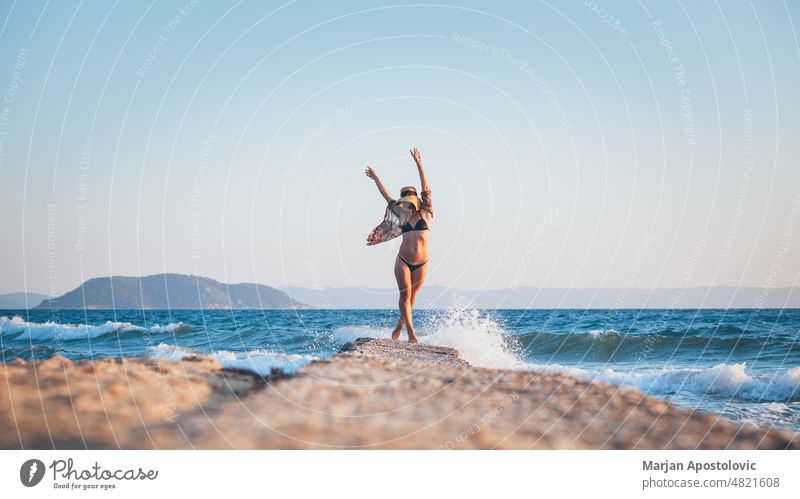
{"type": "Point", "coordinates": [371, 173]}
{"type": "Point", "coordinates": [417, 156]}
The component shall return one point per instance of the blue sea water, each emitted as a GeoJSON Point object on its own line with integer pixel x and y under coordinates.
{"type": "Point", "coordinates": [743, 364]}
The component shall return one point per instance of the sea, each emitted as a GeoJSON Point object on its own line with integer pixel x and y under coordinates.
{"type": "Point", "coordinates": [743, 364]}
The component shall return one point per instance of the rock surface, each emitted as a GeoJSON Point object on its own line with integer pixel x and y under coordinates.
{"type": "Point", "coordinates": [373, 394]}
{"type": "Point", "coordinates": [402, 350]}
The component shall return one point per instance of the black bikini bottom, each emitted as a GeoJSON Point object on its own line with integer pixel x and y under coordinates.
{"type": "Point", "coordinates": [411, 266]}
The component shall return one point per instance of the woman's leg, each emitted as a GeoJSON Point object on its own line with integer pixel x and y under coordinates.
{"type": "Point", "coordinates": [398, 328]}
{"type": "Point", "coordinates": [403, 276]}
{"type": "Point", "coordinates": [417, 278]}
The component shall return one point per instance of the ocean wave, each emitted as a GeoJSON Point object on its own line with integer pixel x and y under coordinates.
{"type": "Point", "coordinates": [259, 361]}
{"type": "Point", "coordinates": [56, 331]}
{"type": "Point", "coordinates": [721, 380]}
{"type": "Point", "coordinates": [726, 329]}
{"type": "Point", "coordinates": [613, 345]}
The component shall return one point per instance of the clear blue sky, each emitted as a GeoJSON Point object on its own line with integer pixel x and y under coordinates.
{"type": "Point", "coordinates": [575, 144]}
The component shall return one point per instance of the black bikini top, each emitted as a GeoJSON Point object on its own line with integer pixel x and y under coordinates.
{"type": "Point", "coordinates": [420, 225]}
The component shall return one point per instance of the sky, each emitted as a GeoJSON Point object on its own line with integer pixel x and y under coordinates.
{"type": "Point", "coordinates": [568, 144]}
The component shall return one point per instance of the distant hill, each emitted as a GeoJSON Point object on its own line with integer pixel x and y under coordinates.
{"type": "Point", "coordinates": [170, 291]}
{"type": "Point", "coordinates": [434, 296]}
{"type": "Point", "coordinates": [20, 300]}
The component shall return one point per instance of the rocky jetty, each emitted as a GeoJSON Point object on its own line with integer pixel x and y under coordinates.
{"type": "Point", "coordinates": [373, 394]}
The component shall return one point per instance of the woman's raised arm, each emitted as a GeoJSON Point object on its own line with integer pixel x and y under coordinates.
{"type": "Point", "coordinates": [425, 193]}
{"type": "Point", "coordinates": [423, 180]}
{"type": "Point", "coordinates": [371, 173]}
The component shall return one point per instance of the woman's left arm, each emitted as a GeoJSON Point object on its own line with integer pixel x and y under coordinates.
{"type": "Point", "coordinates": [425, 193]}
{"type": "Point", "coordinates": [423, 180]}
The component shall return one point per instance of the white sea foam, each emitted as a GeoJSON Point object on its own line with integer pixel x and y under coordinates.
{"type": "Point", "coordinates": [164, 351]}
{"type": "Point", "coordinates": [54, 330]}
{"type": "Point", "coordinates": [260, 361]}
{"type": "Point", "coordinates": [723, 380]}
{"type": "Point", "coordinates": [775, 406]}
{"type": "Point", "coordinates": [599, 333]}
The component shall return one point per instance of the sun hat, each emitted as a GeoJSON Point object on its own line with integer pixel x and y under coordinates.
{"type": "Point", "coordinates": [407, 205]}
{"type": "Point", "coordinates": [409, 197]}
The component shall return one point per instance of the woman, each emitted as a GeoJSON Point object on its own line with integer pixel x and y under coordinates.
{"type": "Point", "coordinates": [410, 266]}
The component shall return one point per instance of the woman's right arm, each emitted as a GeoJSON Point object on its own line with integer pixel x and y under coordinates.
{"type": "Point", "coordinates": [382, 188]}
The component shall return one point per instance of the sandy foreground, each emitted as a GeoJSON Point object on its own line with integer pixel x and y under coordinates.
{"type": "Point", "coordinates": [374, 394]}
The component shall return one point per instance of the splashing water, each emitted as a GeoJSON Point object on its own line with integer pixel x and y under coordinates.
{"type": "Point", "coordinates": [479, 339]}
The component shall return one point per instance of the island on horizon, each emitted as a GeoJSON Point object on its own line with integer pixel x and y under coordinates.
{"type": "Point", "coordinates": [170, 291]}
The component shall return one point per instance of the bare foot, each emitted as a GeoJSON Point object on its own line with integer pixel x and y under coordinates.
{"type": "Point", "coordinates": [397, 329]}
{"type": "Point", "coordinates": [412, 336]}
